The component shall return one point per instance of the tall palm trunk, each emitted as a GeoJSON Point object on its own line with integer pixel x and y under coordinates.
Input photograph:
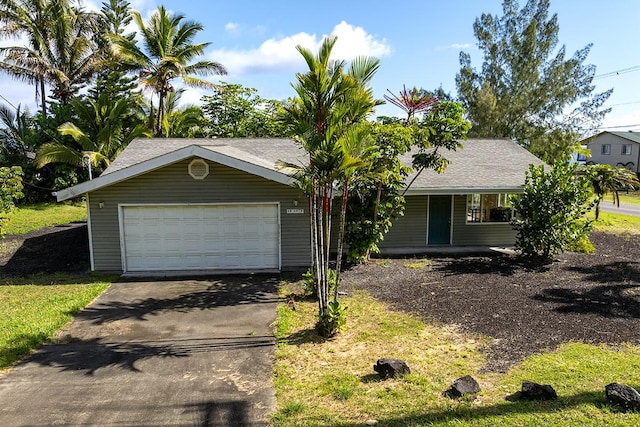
{"type": "Point", "coordinates": [43, 97]}
{"type": "Point", "coordinates": [343, 217]}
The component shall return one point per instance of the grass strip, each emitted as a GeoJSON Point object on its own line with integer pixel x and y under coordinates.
{"type": "Point", "coordinates": [321, 383]}
{"type": "Point", "coordinates": [615, 223]}
{"type": "Point", "coordinates": [27, 218]}
{"type": "Point", "coordinates": [33, 309]}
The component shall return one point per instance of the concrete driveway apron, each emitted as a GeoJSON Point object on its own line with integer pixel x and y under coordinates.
{"type": "Point", "coordinates": [155, 353]}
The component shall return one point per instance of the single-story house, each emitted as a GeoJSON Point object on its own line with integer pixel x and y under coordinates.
{"type": "Point", "coordinates": [175, 205]}
{"type": "Point", "coordinates": [615, 149]}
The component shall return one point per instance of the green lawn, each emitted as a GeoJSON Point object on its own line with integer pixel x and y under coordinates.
{"type": "Point", "coordinates": [633, 198]}
{"type": "Point", "coordinates": [33, 309]}
{"type": "Point", "coordinates": [333, 383]}
{"type": "Point", "coordinates": [617, 223]}
{"type": "Point", "coordinates": [32, 217]}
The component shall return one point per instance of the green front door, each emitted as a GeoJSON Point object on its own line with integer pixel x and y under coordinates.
{"type": "Point", "coordinates": [439, 220]}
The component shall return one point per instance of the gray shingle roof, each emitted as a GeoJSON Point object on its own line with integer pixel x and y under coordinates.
{"type": "Point", "coordinates": [628, 135]}
{"type": "Point", "coordinates": [260, 151]}
{"type": "Point", "coordinates": [482, 164]}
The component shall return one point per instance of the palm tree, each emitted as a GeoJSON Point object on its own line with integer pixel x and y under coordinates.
{"type": "Point", "coordinates": [15, 132]}
{"type": "Point", "coordinates": [187, 122]}
{"type": "Point", "coordinates": [330, 102]}
{"type": "Point", "coordinates": [609, 179]}
{"type": "Point", "coordinates": [167, 52]}
{"type": "Point", "coordinates": [61, 51]}
{"type": "Point", "coordinates": [412, 101]}
{"type": "Point", "coordinates": [30, 18]}
{"type": "Point", "coordinates": [102, 140]}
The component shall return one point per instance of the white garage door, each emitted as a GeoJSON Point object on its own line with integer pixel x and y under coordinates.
{"type": "Point", "coordinates": [201, 237]}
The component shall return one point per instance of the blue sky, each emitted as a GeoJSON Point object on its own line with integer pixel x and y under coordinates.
{"type": "Point", "coordinates": [418, 42]}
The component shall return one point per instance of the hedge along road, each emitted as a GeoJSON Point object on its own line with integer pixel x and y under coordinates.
{"type": "Point", "coordinates": [174, 352]}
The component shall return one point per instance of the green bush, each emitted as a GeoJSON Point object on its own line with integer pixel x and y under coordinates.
{"type": "Point", "coordinates": [550, 212]}
{"type": "Point", "coordinates": [333, 320]}
{"type": "Point", "coordinates": [311, 285]}
{"type": "Point", "coordinates": [583, 246]}
{"type": "Point", "coordinates": [10, 191]}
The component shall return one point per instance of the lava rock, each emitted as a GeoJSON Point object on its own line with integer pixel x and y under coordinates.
{"type": "Point", "coordinates": [623, 396]}
{"type": "Point", "coordinates": [535, 391]}
{"type": "Point", "coordinates": [390, 368]}
{"type": "Point", "coordinates": [463, 386]}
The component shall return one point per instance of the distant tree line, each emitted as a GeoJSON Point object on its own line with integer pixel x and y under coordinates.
{"type": "Point", "coordinates": [99, 87]}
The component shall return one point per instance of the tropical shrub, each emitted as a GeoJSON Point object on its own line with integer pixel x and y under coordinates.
{"type": "Point", "coordinates": [550, 212]}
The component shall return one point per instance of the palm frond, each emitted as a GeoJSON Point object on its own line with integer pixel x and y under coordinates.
{"type": "Point", "coordinates": [57, 153]}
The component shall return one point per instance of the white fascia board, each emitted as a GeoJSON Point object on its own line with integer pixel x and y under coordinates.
{"type": "Point", "coordinates": [166, 159]}
{"type": "Point", "coordinates": [463, 190]}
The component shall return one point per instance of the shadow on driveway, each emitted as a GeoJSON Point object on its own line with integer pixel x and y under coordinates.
{"type": "Point", "coordinates": [172, 352]}
{"type": "Point", "coordinates": [225, 291]}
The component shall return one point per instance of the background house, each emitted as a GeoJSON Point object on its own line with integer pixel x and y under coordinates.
{"type": "Point", "coordinates": [176, 205]}
{"type": "Point", "coordinates": [615, 149]}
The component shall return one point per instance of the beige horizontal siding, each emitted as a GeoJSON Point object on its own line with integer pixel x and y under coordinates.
{"type": "Point", "coordinates": [173, 184]}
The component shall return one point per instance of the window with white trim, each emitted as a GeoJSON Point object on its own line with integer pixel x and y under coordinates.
{"type": "Point", "coordinates": [626, 149]}
{"type": "Point", "coordinates": [606, 149]}
{"type": "Point", "coordinates": [486, 208]}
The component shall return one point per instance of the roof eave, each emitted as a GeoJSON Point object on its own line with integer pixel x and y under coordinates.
{"type": "Point", "coordinates": [463, 190]}
{"type": "Point", "coordinates": [167, 159]}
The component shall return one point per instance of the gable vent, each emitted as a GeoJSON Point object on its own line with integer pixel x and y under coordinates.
{"type": "Point", "coordinates": [198, 169]}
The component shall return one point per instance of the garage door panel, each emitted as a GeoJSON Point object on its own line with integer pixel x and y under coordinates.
{"type": "Point", "coordinates": [201, 237]}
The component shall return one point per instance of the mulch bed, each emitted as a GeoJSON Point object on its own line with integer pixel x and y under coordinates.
{"type": "Point", "coordinates": [523, 309]}
{"type": "Point", "coordinates": [63, 248]}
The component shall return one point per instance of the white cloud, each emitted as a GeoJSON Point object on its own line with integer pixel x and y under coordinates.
{"type": "Point", "coordinates": [191, 96]}
{"type": "Point", "coordinates": [277, 54]}
{"type": "Point", "coordinates": [621, 122]}
{"type": "Point", "coordinates": [355, 41]}
{"type": "Point", "coordinates": [231, 26]}
{"type": "Point", "coordinates": [456, 46]}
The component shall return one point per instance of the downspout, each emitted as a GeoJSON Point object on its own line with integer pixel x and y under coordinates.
{"type": "Point", "coordinates": [90, 234]}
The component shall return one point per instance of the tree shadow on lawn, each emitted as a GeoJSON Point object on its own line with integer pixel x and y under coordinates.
{"type": "Point", "coordinates": [469, 412]}
{"type": "Point", "coordinates": [226, 291]}
{"type": "Point", "coordinates": [304, 336]}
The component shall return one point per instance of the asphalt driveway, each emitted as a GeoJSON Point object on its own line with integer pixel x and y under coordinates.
{"type": "Point", "coordinates": [178, 352]}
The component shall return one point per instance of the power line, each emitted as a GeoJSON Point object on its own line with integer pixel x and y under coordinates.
{"type": "Point", "coordinates": [618, 72]}
{"type": "Point", "coordinates": [9, 102]}
{"type": "Point", "coordinates": [620, 126]}
{"type": "Point", "coordinates": [624, 103]}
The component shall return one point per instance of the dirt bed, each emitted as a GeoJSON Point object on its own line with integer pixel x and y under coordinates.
{"type": "Point", "coordinates": [63, 248]}
{"type": "Point", "coordinates": [592, 298]}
